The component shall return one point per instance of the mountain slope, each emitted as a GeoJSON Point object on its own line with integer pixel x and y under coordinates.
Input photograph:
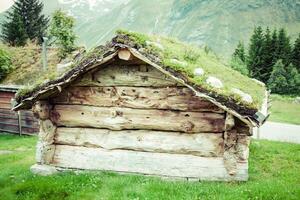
{"type": "Point", "coordinates": [219, 24]}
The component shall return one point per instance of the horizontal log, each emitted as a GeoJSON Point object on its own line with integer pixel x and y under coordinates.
{"type": "Point", "coordinates": [134, 75]}
{"type": "Point", "coordinates": [172, 98]}
{"type": "Point", "coordinates": [126, 118]}
{"type": "Point", "coordinates": [200, 144]}
{"type": "Point", "coordinates": [161, 164]}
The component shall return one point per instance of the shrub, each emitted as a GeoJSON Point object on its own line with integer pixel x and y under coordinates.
{"type": "Point", "coordinates": [5, 64]}
{"type": "Point", "coordinates": [238, 65]}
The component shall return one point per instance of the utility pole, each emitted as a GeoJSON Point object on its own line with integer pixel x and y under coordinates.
{"type": "Point", "coordinates": [44, 53]}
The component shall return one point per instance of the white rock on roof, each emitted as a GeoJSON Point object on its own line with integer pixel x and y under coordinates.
{"type": "Point", "coordinates": [178, 62]}
{"type": "Point", "coordinates": [214, 82]}
{"type": "Point", "coordinates": [245, 97]}
{"type": "Point", "coordinates": [156, 44]}
{"type": "Point", "coordinates": [198, 72]}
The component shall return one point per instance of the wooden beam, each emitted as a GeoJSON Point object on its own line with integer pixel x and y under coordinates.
{"type": "Point", "coordinates": [172, 98]}
{"type": "Point", "coordinates": [161, 164]}
{"type": "Point", "coordinates": [125, 54]}
{"type": "Point", "coordinates": [115, 118]}
{"type": "Point", "coordinates": [133, 75]}
{"type": "Point", "coordinates": [199, 144]}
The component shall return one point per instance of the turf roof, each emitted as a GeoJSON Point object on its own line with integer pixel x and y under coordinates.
{"type": "Point", "coordinates": [180, 58]}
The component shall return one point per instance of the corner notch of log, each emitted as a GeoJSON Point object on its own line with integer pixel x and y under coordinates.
{"type": "Point", "coordinates": [125, 54]}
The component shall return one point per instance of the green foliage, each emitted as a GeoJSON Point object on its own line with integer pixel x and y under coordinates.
{"type": "Point", "coordinates": [25, 21]}
{"type": "Point", "coordinates": [293, 79]}
{"type": "Point", "coordinates": [268, 56]}
{"type": "Point", "coordinates": [278, 82]}
{"type": "Point", "coordinates": [296, 54]}
{"type": "Point", "coordinates": [272, 165]}
{"type": "Point", "coordinates": [255, 59]}
{"type": "Point", "coordinates": [239, 52]}
{"type": "Point", "coordinates": [5, 64]}
{"type": "Point", "coordinates": [13, 31]}
{"type": "Point", "coordinates": [237, 64]}
{"type": "Point", "coordinates": [61, 29]}
{"type": "Point", "coordinates": [284, 47]}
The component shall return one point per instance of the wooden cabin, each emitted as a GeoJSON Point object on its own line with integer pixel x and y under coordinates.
{"type": "Point", "coordinates": [22, 122]}
{"type": "Point", "coordinates": [122, 109]}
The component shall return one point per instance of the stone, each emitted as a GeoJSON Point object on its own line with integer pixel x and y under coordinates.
{"type": "Point", "coordinates": [43, 170]}
{"type": "Point", "coordinates": [214, 82]}
{"type": "Point", "coordinates": [198, 72]}
{"type": "Point", "coordinates": [245, 97]}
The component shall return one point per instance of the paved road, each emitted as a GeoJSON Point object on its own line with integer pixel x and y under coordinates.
{"type": "Point", "coordinates": [279, 132]}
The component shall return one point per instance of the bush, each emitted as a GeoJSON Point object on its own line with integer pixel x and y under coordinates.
{"type": "Point", "coordinates": [238, 65]}
{"type": "Point", "coordinates": [5, 64]}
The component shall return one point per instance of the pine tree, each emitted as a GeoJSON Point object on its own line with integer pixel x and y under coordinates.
{"type": "Point", "coordinates": [255, 59]}
{"type": "Point", "coordinates": [240, 52]}
{"type": "Point", "coordinates": [267, 56]}
{"type": "Point", "coordinates": [274, 49]}
{"type": "Point", "coordinates": [30, 18]}
{"type": "Point", "coordinates": [296, 54]}
{"type": "Point", "coordinates": [13, 31]}
{"type": "Point", "coordinates": [278, 82]}
{"type": "Point", "coordinates": [284, 47]}
{"type": "Point", "coordinates": [293, 79]}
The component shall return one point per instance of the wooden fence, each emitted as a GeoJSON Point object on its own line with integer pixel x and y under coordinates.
{"type": "Point", "coordinates": [22, 122]}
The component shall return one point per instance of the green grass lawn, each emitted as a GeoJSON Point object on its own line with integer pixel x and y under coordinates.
{"type": "Point", "coordinates": [284, 110]}
{"type": "Point", "coordinates": [274, 174]}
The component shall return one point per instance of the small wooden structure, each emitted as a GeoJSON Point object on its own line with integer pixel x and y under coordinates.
{"type": "Point", "coordinates": [22, 122]}
{"type": "Point", "coordinates": [125, 113]}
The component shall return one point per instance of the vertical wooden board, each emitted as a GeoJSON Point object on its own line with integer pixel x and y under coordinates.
{"type": "Point", "coordinates": [126, 118]}
{"type": "Point", "coordinates": [123, 75]}
{"type": "Point", "coordinates": [161, 164]}
{"type": "Point", "coordinates": [172, 98]}
{"type": "Point", "coordinates": [200, 144]}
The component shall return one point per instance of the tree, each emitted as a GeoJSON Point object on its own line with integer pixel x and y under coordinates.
{"type": "Point", "coordinates": [30, 20]}
{"type": "Point", "coordinates": [296, 54]}
{"type": "Point", "coordinates": [267, 56]}
{"type": "Point", "coordinates": [255, 59]}
{"type": "Point", "coordinates": [13, 31]}
{"type": "Point", "coordinates": [240, 52]}
{"type": "Point", "coordinates": [62, 30]}
{"type": "Point", "coordinates": [5, 64]}
{"type": "Point", "coordinates": [278, 82]}
{"type": "Point", "coordinates": [274, 49]}
{"type": "Point", "coordinates": [284, 47]}
{"type": "Point", "coordinates": [293, 79]}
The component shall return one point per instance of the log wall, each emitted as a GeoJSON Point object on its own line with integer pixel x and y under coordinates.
{"type": "Point", "coordinates": [135, 119]}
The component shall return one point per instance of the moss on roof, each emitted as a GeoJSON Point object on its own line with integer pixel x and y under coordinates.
{"type": "Point", "coordinates": [180, 57]}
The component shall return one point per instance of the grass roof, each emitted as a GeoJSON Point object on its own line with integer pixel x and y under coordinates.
{"type": "Point", "coordinates": [180, 57]}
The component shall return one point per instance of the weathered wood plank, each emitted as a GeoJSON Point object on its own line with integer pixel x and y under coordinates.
{"type": "Point", "coordinates": [172, 98]}
{"type": "Point", "coordinates": [162, 164]}
{"type": "Point", "coordinates": [200, 144]}
{"type": "Point", "coordinates": [115, 118]}
{"type": "Point", "coordinates": [134, 75]}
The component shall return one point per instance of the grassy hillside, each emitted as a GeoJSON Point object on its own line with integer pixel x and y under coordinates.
{"type": "Point", "coordinates": [273, 174]}
{"type": "Point", "coordinates": [219, 24]}
{"type": "Point", "coordinates": [285, 109]}
{"type": "Point", "coordinates": [27, 64]}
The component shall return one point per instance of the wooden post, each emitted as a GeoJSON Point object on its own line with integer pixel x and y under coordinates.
{"type": "Point", "coordinates": [20, 122]}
